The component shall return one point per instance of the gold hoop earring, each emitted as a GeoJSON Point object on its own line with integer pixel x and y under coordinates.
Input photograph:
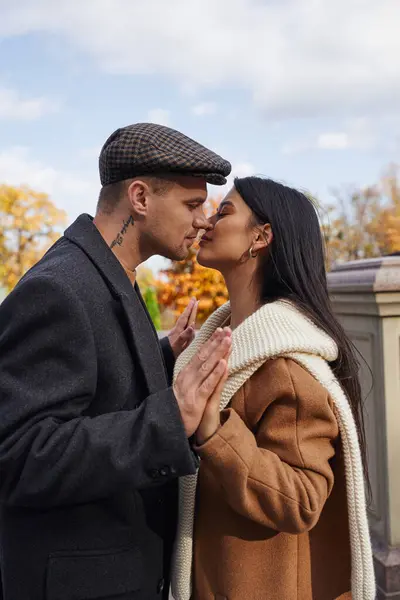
{"type": "Point", "coordinates": [251, 255]}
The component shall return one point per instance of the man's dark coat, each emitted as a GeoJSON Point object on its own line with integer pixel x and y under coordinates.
{"type": "Point", "coordinates": [91, 438]}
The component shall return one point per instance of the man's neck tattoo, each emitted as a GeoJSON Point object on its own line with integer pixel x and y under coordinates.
{"type": "Point", "coordinates": [120, 237]}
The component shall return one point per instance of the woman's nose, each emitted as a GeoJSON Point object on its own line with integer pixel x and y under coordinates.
{"type": "Point", "coordinates": [212, 220]}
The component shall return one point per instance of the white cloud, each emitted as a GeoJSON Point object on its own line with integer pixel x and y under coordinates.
{"type": "Point", "coordinates": [295, 57]}
{"type": "Point", "coordinates": [296, 147]}
{"type": "Point", "coordinates": [205, 108]}
{"type": "Point", "coordinates": [333, 141]}
{"type": "Point", "coordinates": [243, 169]}
{"type": "Point", "coordinates": [357, 134]}
{"type": "Point", "coordinates": [239, 169]}
{"type": "Point", "coordinates": [90, 153]}
{"type": "Point", "coordinates": [68, 191]}
{"type": "Point", "coordinates": [14, 106]}
{"type": "Point", "coordinates": [159, 116]}
{"type": "Point", "coordinates": [189, 89]}
{"type": "Point", "coordinates": [233, 114]}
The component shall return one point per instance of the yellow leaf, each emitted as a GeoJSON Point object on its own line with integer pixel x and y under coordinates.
{"type": "Point", "coordinates": [29, 224]}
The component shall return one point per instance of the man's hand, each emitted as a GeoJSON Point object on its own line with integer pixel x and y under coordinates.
{"type": "Point", "coordinates": [183, 333]}
{"type": "Point", "coordinates": [199, 380]}
{"type": "Point", "coordinates": [211, 421]}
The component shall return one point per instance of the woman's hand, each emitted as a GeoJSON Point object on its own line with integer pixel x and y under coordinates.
{"type": "Point", "coordinates": [210, 422]}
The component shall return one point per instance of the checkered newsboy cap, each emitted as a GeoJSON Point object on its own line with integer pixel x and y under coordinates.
{"type": "Point", "coordinates": [147, 148]}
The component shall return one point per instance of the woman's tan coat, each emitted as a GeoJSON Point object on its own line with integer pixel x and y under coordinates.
{"type": "Point", "coordinates": [271, 516]}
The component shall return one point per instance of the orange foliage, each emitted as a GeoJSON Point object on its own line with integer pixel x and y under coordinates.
{"type": "Point", "coordinates": [388, 223]}
{"type": "Point", "coordinates": [188, 279]}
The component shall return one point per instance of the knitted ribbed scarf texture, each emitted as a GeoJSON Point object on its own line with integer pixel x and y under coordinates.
{"type": "Point", "coordinates": [279, 329]}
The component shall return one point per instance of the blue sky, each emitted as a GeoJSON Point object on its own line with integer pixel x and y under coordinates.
{"type": "Point", "coordinates": [303, 91]}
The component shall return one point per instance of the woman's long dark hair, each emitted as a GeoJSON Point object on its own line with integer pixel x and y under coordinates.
{"type": "Point", "coordinates": [294, 269]}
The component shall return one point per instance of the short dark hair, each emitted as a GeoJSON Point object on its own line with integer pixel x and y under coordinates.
{"type": "Point", "coordinates": [111, 194]}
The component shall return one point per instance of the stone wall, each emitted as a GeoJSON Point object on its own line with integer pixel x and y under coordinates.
{"type": "Point", "coordinates": [366, 299]}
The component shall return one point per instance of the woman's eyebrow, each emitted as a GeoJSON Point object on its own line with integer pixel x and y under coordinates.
{"type": "Point", "coordinates": [225, 203]}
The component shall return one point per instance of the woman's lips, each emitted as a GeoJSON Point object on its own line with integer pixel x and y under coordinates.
{"type": "Point", "coordinates": [204, 240]}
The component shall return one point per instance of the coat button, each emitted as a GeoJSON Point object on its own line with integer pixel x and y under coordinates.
{"type": "Point", "coordinates": [154, 473]}
{"type": "Point", "coordinates": [160, 586]}
{"type": "Point", "coordinates": [164, 471]}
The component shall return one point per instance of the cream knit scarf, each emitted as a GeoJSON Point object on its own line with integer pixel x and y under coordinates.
{"type": "Point", "coordinates": [280, 330]}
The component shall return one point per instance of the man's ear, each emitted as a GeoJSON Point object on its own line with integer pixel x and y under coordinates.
{"type": "Point", "coordinates": [263, 238]}
{"type": "Point", "coordinates": [138, 192]}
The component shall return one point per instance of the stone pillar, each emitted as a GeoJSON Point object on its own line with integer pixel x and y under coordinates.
{"type": "Point", "coordinates": [366, 299]}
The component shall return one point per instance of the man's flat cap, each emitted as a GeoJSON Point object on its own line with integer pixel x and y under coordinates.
{"type": "Point", "coordinates": [147, 148]}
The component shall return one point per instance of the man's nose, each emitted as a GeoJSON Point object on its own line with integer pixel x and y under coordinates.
{"type": "Point", "coordinates": [201, 222]}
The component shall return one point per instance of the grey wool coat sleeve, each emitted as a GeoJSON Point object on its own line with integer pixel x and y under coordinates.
{"type": "Point", "coordinates": [62, 440]}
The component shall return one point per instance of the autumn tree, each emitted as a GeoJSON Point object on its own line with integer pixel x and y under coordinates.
{"type": "Point", "coordinates": [185, 280]}
{"type": "Point", "coordinates": [346, 225]}
{"type": "Point", "coordinates": [387, 223]}
{"type": "Point", "coordinates": [363, 223]}
{"type": "Point", "coordinates": [28, 226]}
